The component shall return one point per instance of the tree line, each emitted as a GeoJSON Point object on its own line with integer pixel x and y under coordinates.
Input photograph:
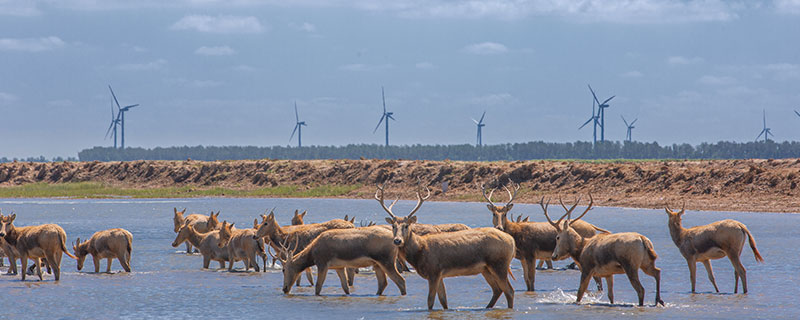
{"type": "Point", "coordinates": [508, 152]}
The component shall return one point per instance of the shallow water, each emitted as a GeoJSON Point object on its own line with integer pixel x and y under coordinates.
{"type": "Point", "coordinates": [167, 283]}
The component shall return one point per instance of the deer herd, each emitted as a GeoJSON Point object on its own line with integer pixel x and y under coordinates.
{"type": "Point", "coordinates": [435, 252]}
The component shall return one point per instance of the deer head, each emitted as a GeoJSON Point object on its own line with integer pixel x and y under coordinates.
{"type": "Point", "coordinates": [401, 227]}
{"type": "Point", "coordinates": [225, 233]}
{"type": "Point", "coordinates": [212, 221]}
{"type": "Point", "coordinates": [500, 213]}
{"type": "Point", "coordinates": [177, 219]}
{"type": "Point", "coordinates": [567, 240]}
{"type": "Point", "coordinates": [7, 224]}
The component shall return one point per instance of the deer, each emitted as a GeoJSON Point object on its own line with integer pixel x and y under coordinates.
{"type": "Point", "coordinates": [206, 242]}
{"type": "Point", "coordinates": [304, 234]}
{"type": "Point", "coordinates": [607, 254]}
{"type": "Point", "coordinates": [199, 222]}
{"type": "Point", "coordinates": [12, 254]}
{"type": "Point", "coordinates": [106, 244]}
{"type": "Point", "coordinates": [297, 219]}
{"type": "Point", "coordinates": [46, 241]}
{"type": "Point", "coordinates": [485, 251]}
{"type": "Point", "coordinates": [241, 244]}
{"type": "Point", "coordinates": [351, 220]}
{"type": "Point", "coordinates": [709, 242]}
{"type": "Point", "coordinates": [342, 250]}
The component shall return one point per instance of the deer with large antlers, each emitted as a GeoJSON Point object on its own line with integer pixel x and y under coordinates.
{"type": "Point", "coordinates": [607, 254]}
{"type": "Point", "coordinates": [712, 241]}
{"type": "Point", "coordinates": [344, 250]}
{"type": "Point", "coordinates": [485, 251]}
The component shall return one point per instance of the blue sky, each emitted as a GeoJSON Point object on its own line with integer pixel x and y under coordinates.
{"type": "Point", "coordinates": [228, 72]}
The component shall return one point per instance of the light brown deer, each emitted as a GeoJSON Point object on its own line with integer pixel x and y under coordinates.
{"type": "Point", "coordinates": [206, 242]}
{"type": "Point", "coordinates": [36, 242]}
{"type": "Point", "coordinates": [199, 222]}
{"type": "Point", "coordinates": [485, 251]}
{"type": "Point", "coordinates": [107, 244]}
{"type": "Point", "coordinates": [342, 250]}
{"type": "Point", "coordinates": [712, 241]}
{"type": "Point", "coordinates": [297, 219]}
{"type": "Point", "coordinates": [607, 254]}
{"type": "Point", "coordinates": [242, 244]}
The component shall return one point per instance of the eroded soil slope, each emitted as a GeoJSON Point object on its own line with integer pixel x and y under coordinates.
{"type": "Point", "coordinates": [736, 185]}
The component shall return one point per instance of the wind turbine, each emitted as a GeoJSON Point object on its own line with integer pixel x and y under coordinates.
{"type": "Point", "coordinates": [596, 119]}
{"type": "Point", "coordinates": [797, 113]}
{"type": "Point", "coordinates": [121, 116]}
{"type": "Point", "coordinates": [766, 131]}
{"type": "Point", "coordinates": [630, 126]}
{"type": "Point", "coordinates": [112, 128]}
{"type": "Point", "coordinates": [298, 127]}
{"type": "Point", "coordinates": [385, 115]}
{"type": "Point", "coordinates": [480, 125]}
{"type": "Point", "coordinates": [602, 113]}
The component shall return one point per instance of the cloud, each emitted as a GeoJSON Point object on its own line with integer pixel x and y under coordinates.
{"type": "Point", "coordinates": [220, 24]}
{"type": "Point", "coordinates": [360, 67]}
{"type": "Point", "coordinates": [145, 66]}
{"type": "Point", "coordinates": [305, 26]}
{"type": "Point", "coordinates": [244, 68]}
{"type": "Point", "coordinates": [486, 48]}
{"type": "Point", "coordinates": [31, 44]}
{"type": "Point", "coordinates": [680, 60]}
{"type": "Point", "coordinates": [632, 74]}
{"type": "Point", "coordinates": [493, 99]}
{"type": "Point", "coordinates": [20, 8]}
{"type": "Point", "coordinates": [425, 65]}
{"type": "Point", "coordinates": [6, 98]}
{"type": "Point", "coordinates": [788, 6]}
{"type": "Point", "coordinates": [716, 80]}
{"type": "Point", "coordinates": [215, 51]}
{"type": "Point", "coordinates": [61, 103]}
{"type": "Point", "coordinates": [783, 71]}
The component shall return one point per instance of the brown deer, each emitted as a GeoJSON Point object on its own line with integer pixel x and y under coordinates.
{"type": "Point", "coordinates": [199, 222]}
{"type": "Point", "coordinates": [46, 241]}
{"type": "Point", "coordinates": [106, 244]}
{"type": "Point", "coordinates": [607, 254]}
{"type": "Point", "coordinates": [485, 251]}
{"type": "Point", "coordinates": [712, 241]}
{"type": "Point", "coordinates": [242, 244]}
{"type": "Point", "coordinates": [342, 250]}
{"type": "Point", "coordinates": [297, 219]}
{"type": "Point", "coordinates": [206, 242]}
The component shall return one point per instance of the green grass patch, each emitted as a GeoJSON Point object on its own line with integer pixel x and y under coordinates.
{"type": "Point", "coordinates": [99, 190]}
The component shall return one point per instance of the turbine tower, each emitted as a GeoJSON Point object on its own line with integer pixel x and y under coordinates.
{"type": "Point", "coordinates": [298, 127]}
{"type": "Point", "coordinates": [630, 126]}
{"type": "Point", "coordinates": [112, 128]}
{"type": "Point", "coordinates": [121, 116]}
{"type": "Point", "coordinates": [385, 115]}
{"type": "Point", "coordinates": [766, 131]}
{"type": "Point", "coordinates": [601, 113]}
{"type": "Point", "coordinates": [480, 125]}
{"type": "Point", "coordinates": [594, 118]}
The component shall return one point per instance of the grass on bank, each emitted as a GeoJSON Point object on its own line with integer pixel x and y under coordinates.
{"type": "Point", "coordinates": [98, 190]}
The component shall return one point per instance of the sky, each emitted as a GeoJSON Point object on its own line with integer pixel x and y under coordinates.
{"type": "Point", "coordinates": [214, 72]}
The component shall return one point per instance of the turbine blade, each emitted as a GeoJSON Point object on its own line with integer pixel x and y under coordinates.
{"type": "Point", "coordinates": [594, 95]}
{"type": "Point", "coordinates": [390, 117]}
{"type": "Point", "coordinates": [293, 131]}
{"type": "Point", "coordinates": [383, 97]}
{"type": "Point", "coordinates": [797, 113]}
{"type": "Point", "coordinates": [131, 106]}
{"type": "Point", "coordinates": [759, 135]}
{"type": "Point", "coordinates": [483, 115]}
{"type": "Point", "coordinates": [626, 122]}
{"type": "Point", "coordinates": [609, 99]}
{"type": "Point", "coordinates": [296, 115]}
{"type": "Point", "coordinates": [634, 121]}
{"type": "Point", "coordinates": [585, 123]}
{"type": "Point", "coordinates": [115, 96]}
{"type": "Point", "coordinates": [109, 128]}
{"type": "Point", "coordinates": [476, 121]}
{"type": "Point", "coordinates": [379, 123]}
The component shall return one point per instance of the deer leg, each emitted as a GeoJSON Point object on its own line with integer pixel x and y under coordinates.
{"type": "Point", "coordinates": [707, 264]}
{"type": "Point", "coordinates": [322, 272]}
{"type": "Point", "coordinates": [433, 288]}
{"type": "Point", "coordinates": [532, 277]}
{"type": "Point", "coordinates": [108, 268]}
{"type": "Point", "coordinates": [207, 261]}
{"type": "Point", "coordinates": [351, 275]}
{"type": "Point", "coordinates": [541, 263]}
{"type": "Point", "coordinates": [47, 265]}
{"type": "Point", "coordinates": [381, 277]}
{"type": "Point", "coordinates": [599, 282]}
{"type": "Point", "coordinates": [390, 269]}
{"type": "Point", "coordinates": [442, 293]}
{"type": "Point", "coordinates": [585, 278]}
{"type": "Point", "coordinates": [188, 248]}
{"type": "Point", "coordinates": [12, 262]}
{"type": "Point", "coordinates": [610, 283]}
{"type": "Point", "coordinates": [633, 277]}
{"type": "Point", "coordinates": [505, 285]}
{"type": "Point", "coordinates": [38, 262]}
{"type": "Point", "coordinates": [96, 261]}
{"type": "Point", "coordinates": [342, 273]}
{"type": "Point", "coordinates": [492, 281]}
{"type": "Point", "coordinates": [309, 276]}
{"type": "Point", "coordinates": [526, 274]}
{"type": "Point", "coordinates": [125, 261]}
{"type": "Point", "coordinates": [654, 272]}
{"type": "Point", "coordinates": [51, 264]}
{"type": "Point", "coordinates": [692, 272]}
{"type": "Point", "coordinates": [740, 271]}
{"type": "Point", "coordinates": [24, 265]}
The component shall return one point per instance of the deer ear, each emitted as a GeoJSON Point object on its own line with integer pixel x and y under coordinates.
{"type": "Point", "coordinates": [231, 226]}
{"type": "Point", "coordinates": [12, 217]}
{"type": "Point", "coordinates": [390, 220]}
{"type": "Point", "coordinates": [509, 206]}
{"type": "Point", "coordinates": [176, 210]}
{"type": "Point", "coordinates": [491, 207]}
{"type": "Point", "coordinates": [255, 223]}
{"type": "Point", "coordinates": [303, 214]}
{"type": "Point", "coordinates": [412, 220]}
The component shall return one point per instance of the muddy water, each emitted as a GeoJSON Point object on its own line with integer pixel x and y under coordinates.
{"type": "Point", "coordinates": [167, 283]}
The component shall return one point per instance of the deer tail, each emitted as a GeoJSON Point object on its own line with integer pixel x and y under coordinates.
{"type": "Point", "coordinates": [511, 274]}
{"type": "Point", "coordinates": [64, 246]}
{"type": "Point", "coordinates": [752, 244]}
{"type": "Point", "coordinates": [648, 246]}
{"type": "Point", "coordinates": [600, 229]}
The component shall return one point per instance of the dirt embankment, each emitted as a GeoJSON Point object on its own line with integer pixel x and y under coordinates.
{"type": "Point", "coordinates": [736, 185]}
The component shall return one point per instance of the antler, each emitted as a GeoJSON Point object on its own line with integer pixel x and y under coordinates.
{"type": "Point", "coordinates": [591, 202]}
{"type": "Point", "coordinates": [516, 187]}
{"type": "Point", "coordinates": [379, 197]}
{"type": "Point", "coordinates": [420, 198]}
{"type": "Point", "coordinates": [489, 197]}
{"type": "Point", "coordinates": [544, 207]}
